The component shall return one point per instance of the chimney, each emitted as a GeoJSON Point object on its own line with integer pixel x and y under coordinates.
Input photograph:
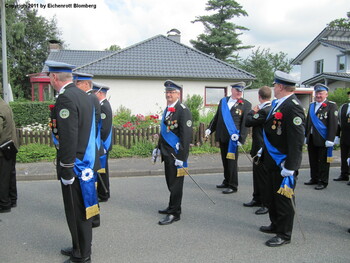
{"type": "Point", "coordinates": [54, 45]}
{"type": "Point", "coordinates": [175, 35]}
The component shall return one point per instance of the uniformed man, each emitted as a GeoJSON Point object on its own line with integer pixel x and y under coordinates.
{"type": "Point", "coordinates": [73, 127]}
{"type": "Point", "coordinates": [344, 134]}
{"type": "Point", "coordinates": [84, 82]}
{"type": "Point", "coordinates": [283, 133]}
{"type": "Point", "coordinates": [231, 132]}
{"type": "Point", "coordinates": [8, 150]}
{"type": "Point", "coordinates": [103, 190]}
{"type": "Point", "coordinates": [321, 128]}
{"type": "Point", "coordinates": [256, 119]}
{"type": "Point", "coordinates": [174, 143]}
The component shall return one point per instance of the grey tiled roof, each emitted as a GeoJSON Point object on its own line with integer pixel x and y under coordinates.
{"type": "Point", "coordinates": [341, 45]}
{"type": "Point", "coordinates": [159, 57]}
{"type": "Point", "coordinates": [330, 76]}
{"type": "Point", "coordinates": [76, 57]}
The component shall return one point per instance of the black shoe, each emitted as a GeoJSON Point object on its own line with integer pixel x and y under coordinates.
{"type": "Point", "coordinates": [221, 186]}
{"type": "Point", "coordinates": [164, 211]}
{"type": "Point", "coordinates": [276, 242]}
{"type": "Point", "coordinates": [81, 260]}
{"type": "Point", "coordinates": [348, 183]}
{"type": "Point", "coordinates": [95, 224]}
{"type": "Point", "coordinates": [341, 178]}
{"type": "Point", "coordinates": [102, 200]}
{"type": "Point", "coordinates": [320, 187]}
{"type": "Point", "coordinates": [349, 230]}
{"type": "Point", "coordinates": [311, 182]}
{"type": "Point", "coordinates": [267, 229]}
{"type": "Point", "coordinates": [5, 209]}
{"type": "Point", "coordinates": [14, 205]}
{"type": "Point", "coordinates": [252, 203]}
{"type": "Point", "coordinates": [67, 251]}
{"type": "Point", "coordinates": [229, 191]}
{"type": "Point", "coordinates": [262, 210]}
{"type": "Point", "coordinates": [169, 219]}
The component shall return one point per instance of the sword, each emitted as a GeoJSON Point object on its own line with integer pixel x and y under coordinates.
{"type": "Point", "coordinates": [194, 181]}
{"type": "Point", "coordinates": [75, 227]}
{"type": "Point", "coordinates": [297, 216]}
{"type": "Point", "coordinates": [102, 183]}
{"type": "Point", "coordinates": [246, 154]}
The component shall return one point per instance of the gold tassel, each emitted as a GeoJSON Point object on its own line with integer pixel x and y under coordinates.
{"type": "Point", "coordinates": [181, 172]}
{"type": "Point", "coordinates": [329, 159]}
{"type": "Point", "coordinates": [230, 156]}
{"type": "Point", "coordinates": [92, 211]}
{"type": "Point", "coordinates": [102, 171]}
{"type": "Point", "coordinates": [286, 191]}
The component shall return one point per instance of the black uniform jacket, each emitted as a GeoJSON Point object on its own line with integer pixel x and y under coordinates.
{"type": "Point", "coordinates": [329, 116]}
{"type": "Point", "coordinates": [239, 113]}
{"type": "Point", "coordinates": [180, 123]}
{"type": "Point", "coordinates": [291, 139]}
{"type": "Point", "coordinates": [257, 120]}
{"type": "Point", "coordinates": [106, 116]}
{"type": "Point", "coordinates": [73, 112]}
{"type": "Point", "coordinates": [344, 125]}
{"type": "Point", "coordinates": [97, 106]}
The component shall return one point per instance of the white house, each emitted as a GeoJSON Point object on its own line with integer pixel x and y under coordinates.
{"type": "Point", "coordinates": [326, 59]}
{"type": "Point", "coordinates": [137, 73]}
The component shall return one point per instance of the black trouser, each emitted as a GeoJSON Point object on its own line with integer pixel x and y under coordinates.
{"type": "Point", "coordinates": [79, 224]}
{"type": "Point", "coordinates": [319, 167]}
{"type": "Point", "coordinates": [13, 183]}
{"type": "Point", "coordinates": [230, 167]}
{"type": "Point", "coordinates": [281, 210]}
{"type": "Point", "coordinates": [259, 183]}
{"type": "Point", "coordinates": [344, 154]}
{"type": "Point", "coordinates": [5, 178]}
{"type": "Point", "coordinates": [175, 185]}
{"type": "Point", "coordinates": [102, 194]}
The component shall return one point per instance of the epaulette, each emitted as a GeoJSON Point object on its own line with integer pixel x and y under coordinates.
{"type": "Point", "coordinates": [295, 102]}
{"type": "Point", "coordinates": [183, 106]}
{"type": "Point", "coordinates": [331, 102]}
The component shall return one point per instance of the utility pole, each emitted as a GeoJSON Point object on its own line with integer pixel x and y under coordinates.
{"type": "Point", "coordinates": [5, 85]}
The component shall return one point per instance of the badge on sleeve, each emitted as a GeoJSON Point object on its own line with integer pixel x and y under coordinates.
{"type": "Point", "coordinates": [256, 115]}
{"type": "Point", "coordinates": [336, 113]}
{"type": "Point", "coordinates": [297, 121]}
{"type": "Point", "coordinates": [103, 116]}
{"type": "Point", "coordinates": [189, 123]}
{"type": "Point", "coordinates": [64, 113]}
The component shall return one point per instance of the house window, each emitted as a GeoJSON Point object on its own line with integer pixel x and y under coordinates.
{"type": "Point", "coordinates": [213, 95]}
{"type": "Point", "coordinates": [341, 63]}
{"type": "Point", "coordinates": [319, 66]}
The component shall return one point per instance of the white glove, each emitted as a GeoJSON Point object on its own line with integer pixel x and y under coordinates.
{"type": "Point", "coordinates": [259, 152]}
{"type": "Point", "coordinates": [348, 161]}
{"type": "Point", "coordinates": [285, 172]}
{"type": "Point", "coordinates": [155, 154]}
{"type": "Point", "coordinates": [336, 140]}
{"type": "Point", "coordinates": [67, 182]}
{"type": "Point", "coordinates": [239, 144]}
{"type": "Point", "coordinates": [305, 140]}
{"type": "Point", "coordinates": [234, 137]}
{"type": "Point", "coordinates": [207, 132]}
{"type": "Point", "coordinates": [179, 163]}
{"type": "Point", "coordinates": [329, 144]}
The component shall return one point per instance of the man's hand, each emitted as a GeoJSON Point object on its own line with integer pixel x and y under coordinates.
{"type": "Point", "coordinates": [329, 144]}
{"type": "Point", "coordinates": [336, 140]}
{"type": "Point", "coordinates": [207, 132]}
{"type": "Point", "coordinates": [155, 154]}
{"type": "Point", "coordinates": [179, 163]}
{"type": "Point", "coordinates": [285, 172]}
{"type": "Point", "coordinates": [67, 182]}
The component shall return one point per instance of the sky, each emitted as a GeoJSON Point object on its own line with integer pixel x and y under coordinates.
{"type": "Point", "coordinates": [279, 25]}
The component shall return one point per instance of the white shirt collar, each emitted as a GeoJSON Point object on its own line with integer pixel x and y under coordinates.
{"type": "Point", "coordinates": [64, 88]}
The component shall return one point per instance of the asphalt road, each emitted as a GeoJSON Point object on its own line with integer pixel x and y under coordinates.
{"type": "Point", "coordinates": [36, 230]}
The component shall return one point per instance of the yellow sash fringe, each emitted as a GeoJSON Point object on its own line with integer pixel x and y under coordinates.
{"type": "Point", "coordinates": [231, 156]}
{"type": "Point", "coordinates": [329, 159]}
{"type": "Point", "coordinates": [92, 211]}
{"type": "Point", "coordinates": [181, 172]}
{"type": "Point", "coordinates": [286, 191]}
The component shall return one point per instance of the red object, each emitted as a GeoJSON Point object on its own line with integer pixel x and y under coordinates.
{"type": "Point", "coordinates": [278, 115]}
{"type": "Point", "coordinates": [240, 101]}
{"type": "Point", "coordinates": [324, 105]}
{"type": "Point", "coordinates": [51, 106]}
{"type": "Point", "coordinates": [171, 109]}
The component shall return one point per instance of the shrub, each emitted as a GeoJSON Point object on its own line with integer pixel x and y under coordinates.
{"type": "Point", "coordinates": [119, 152]}
{"type": "Point", "coordinates": [339, 96]}
{"type": "Point", "coordinates": [35, 152]}
{"type": "Point", "coordinates": [143, 148]}
{"type": "Point", "coordinates": [195, 104]}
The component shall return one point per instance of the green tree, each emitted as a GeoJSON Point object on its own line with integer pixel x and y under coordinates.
{"type": "Point", "coordinates": [195, 104]}
{"type": "Point", "coordinates": [27, 45]}
{"type": "Point", "coordinates": [113, 48]}
{"type": "Point", "coordinates": [220, 37]}
{"type": "Point", "coordinates": [341, 22]}
{"type": "Point", "coordinates": [263, 64]}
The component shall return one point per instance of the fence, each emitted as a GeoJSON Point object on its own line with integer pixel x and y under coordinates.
{"type": "Point", "coordinates": [120, 136]}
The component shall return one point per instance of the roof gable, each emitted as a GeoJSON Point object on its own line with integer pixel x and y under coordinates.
{"type": "Point", "coordinates": [157, 57]}
{"type": "Point", "coordinates": [335, 37]}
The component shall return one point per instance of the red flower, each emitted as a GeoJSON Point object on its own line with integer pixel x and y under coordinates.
{"type": "Point", "coordinates": [171, 109]}
{"type": "Point", "coordinates": [51, 107]}
{"type": "Point", "coordinates": [240, 101]}
{"type": "Point", "coordinates": [324, 105]}
{"type": "Point", "coordinates": [278, 115]}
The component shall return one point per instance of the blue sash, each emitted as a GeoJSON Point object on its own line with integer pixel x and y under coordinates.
{"type": "Point", "coordinates": [172, 139]}
{"type": "Point", "coordinates": [231, 128]}
{"type": "Point", "coordinates": [103, 158]}
{"type": "Point", "coordinates": [98, 135]}
{"type": "Point", "coordinates": [84, 171]}
{"type": "Point", "coordinates": [322, 130]}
